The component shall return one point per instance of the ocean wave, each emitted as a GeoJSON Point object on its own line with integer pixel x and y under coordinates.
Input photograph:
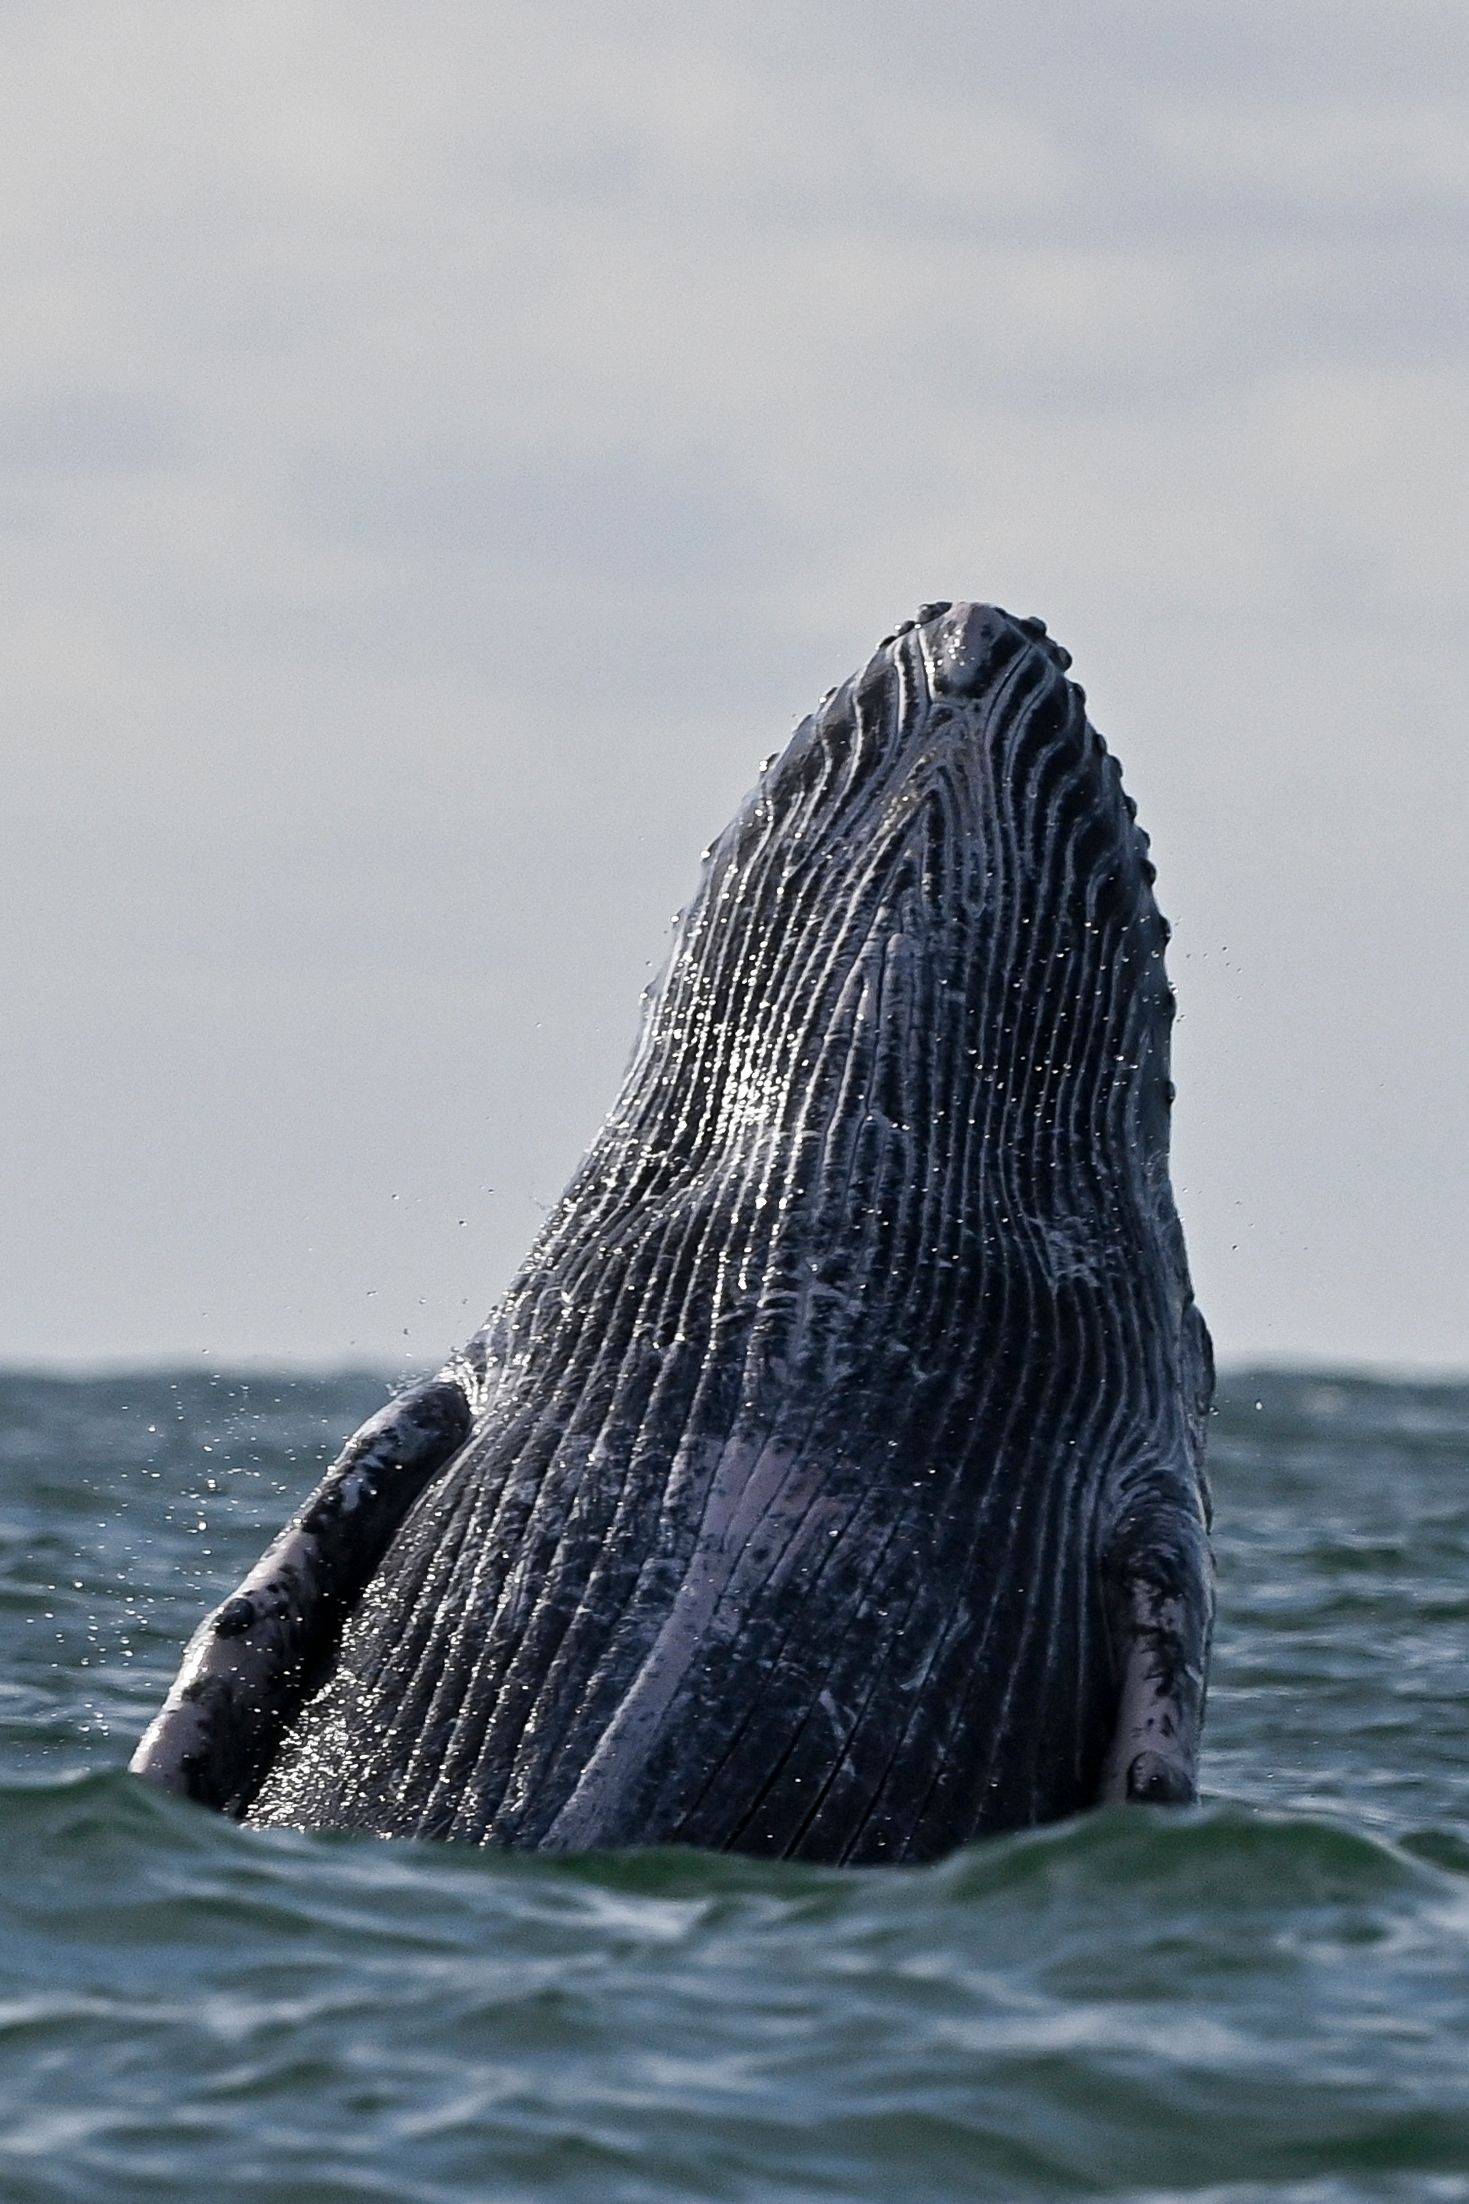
{"type": "Point", "coordinates": [1266, 1998]}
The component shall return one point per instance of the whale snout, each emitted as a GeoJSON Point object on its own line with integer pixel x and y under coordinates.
{"type": "Point", "coordinates": [967, 647]}
{"type": "Point", "coordinates": [953, 709]}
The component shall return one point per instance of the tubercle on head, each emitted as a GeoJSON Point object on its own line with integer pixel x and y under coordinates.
{"type": "Point", "coordinates": [963, 643]}
{"type": "Point", "coordinates": [948, 660]}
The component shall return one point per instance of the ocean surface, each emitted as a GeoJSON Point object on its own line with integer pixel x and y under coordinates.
{"type": "Point", "coordinates": [1264, 1998]}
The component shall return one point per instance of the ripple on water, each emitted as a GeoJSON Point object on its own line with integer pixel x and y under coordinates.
{"type": "Point", "coordinates": [1268, 1998]}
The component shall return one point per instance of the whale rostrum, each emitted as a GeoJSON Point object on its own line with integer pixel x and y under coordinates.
{"type": "Point", "coordinates": [829, 1481]}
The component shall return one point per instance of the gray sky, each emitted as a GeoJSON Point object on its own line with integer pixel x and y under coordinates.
{"type": "Point", "coordinates": [445, 447]}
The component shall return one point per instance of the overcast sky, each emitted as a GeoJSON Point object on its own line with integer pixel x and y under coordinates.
{"type": "Point", "coordinates": [445, 447]}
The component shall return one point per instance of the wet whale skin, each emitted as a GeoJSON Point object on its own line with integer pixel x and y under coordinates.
{"type": "Point", "coordinates": [860, 1343]}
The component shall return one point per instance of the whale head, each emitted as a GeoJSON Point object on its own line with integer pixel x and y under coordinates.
{"type": "Point", "coordinates": [857, 1338]}
{"type": "Point", "coordinates": [934, 913]}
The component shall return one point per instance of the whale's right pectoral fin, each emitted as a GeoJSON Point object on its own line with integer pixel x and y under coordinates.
{"type": "Point", "coordinates": [1159, 1580]}
{"type": "Point", "coordinates": [253, 1661]}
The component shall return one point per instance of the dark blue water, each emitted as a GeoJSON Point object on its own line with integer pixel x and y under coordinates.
{"type": "Point", "coordinates": [1268, 1998]}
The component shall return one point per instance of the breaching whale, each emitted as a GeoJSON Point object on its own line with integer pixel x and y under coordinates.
{"type": "Point", "coordinates": [829, 1482]}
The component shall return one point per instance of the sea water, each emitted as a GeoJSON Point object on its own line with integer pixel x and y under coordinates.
{"type": "Point", "coordinates": [1264, 1998]}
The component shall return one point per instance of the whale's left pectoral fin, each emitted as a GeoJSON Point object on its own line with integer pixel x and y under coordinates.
{"type": "Point", "coordinates": [253, 1661]}
{"type": "Point", "coordinates": [1159, 1581]}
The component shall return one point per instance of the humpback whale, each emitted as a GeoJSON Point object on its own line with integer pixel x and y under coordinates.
{"type": "Point", "coordinates": [829, 1482]}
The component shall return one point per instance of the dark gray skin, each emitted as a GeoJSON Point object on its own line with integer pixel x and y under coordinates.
{"type": "Point", "coordinates": [253, 1663]}
{"type": "Point", "coordinates": [829, 1482]}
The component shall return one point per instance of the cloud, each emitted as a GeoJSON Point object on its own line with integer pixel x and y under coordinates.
{"type": "Point", "coordinates": [446, 447]}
